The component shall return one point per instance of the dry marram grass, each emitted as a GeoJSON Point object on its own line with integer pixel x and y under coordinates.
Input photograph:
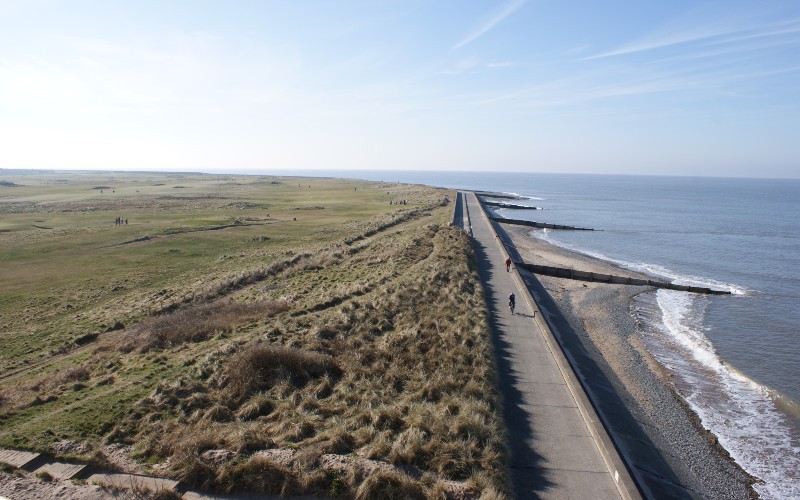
{"type": "Point", "coordinates": [196, 323]}
{"type": "Point", "coordinates": [400, 374]}
{"type": "Point", "coordinates": [360, 368]}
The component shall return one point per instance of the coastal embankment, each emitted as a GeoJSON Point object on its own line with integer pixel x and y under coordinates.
{"type": "Point", "coordinates": [558, 447]}
{"type": "Point", "coordinates": [660, 437]}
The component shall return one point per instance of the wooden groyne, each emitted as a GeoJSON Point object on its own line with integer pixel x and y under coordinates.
{"type": "Point", "coordinates": [574, 274]}
{"type": "Point", "coordinates": [508, 205]}
{"type": "Point", "coordinates": [496, 195]}
{"type": "Point", "coordinates": [541, 225]}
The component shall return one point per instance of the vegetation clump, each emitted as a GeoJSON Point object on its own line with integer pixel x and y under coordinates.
{"type": "Point", "coordinates": [259, 367]}
{"type": "Point", "coordinates": [196, 323]}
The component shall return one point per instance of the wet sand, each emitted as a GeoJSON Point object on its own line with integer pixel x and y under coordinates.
{"type": "Point", "coordinates": [600, 315]}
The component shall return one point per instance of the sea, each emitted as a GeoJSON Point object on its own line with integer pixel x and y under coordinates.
{"type": "Point", "coordinates": [735, 358]}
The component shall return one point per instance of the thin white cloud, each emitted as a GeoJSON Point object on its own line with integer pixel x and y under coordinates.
{"type": "Point", "coordinates": [665, 41]}
{"type": "Point", "coordinates": [715, 32]}
{"type": "Point", "coordinates": [605, 86]}
{"type": "Point", "coordinates": [507, 10]}
{"type": "Point", "coordinates": [566, 94]}
{"type": "Point", "coordinates": [726, 51]}
{"type": "Point", "coordinates": [752, 36]}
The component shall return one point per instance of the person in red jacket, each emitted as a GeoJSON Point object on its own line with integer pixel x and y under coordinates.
{"type": "Point", "coordinates": [508, 264]}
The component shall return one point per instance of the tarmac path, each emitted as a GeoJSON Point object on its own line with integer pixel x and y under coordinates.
{"type": "Point", "coordinates": [558, 448]}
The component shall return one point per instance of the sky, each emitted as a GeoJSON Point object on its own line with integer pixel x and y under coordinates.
{"type": "Point", "coordinates": [700, 87]}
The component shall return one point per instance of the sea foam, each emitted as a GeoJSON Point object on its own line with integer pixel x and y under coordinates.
{"type": "Point", "coordinates": [740, 411]}
{"type": "Point", "coordinates": [524, 196]}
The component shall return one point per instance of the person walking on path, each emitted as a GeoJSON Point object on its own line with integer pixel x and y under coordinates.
{"type": "Point", "coordinates": [508, 264]}
{"type": "Point", "coordinates": [512, 302]}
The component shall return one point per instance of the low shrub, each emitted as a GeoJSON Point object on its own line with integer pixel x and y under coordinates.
{"type": "Point", "coordinates": [259, 366]}
{"type": "Point", "coordinates": [62, 377]}
{"type": "Point", "coordinates": [259, 474]}
{"type": "Point", "coordinates": [164, 494]}
{"type": "Point", "coordinates": [44, 476]}
{"type": "Point", "coordinates": [390, 485]}
{"type": "Point", "coordinates": [195, 324]}
{"type": "Point", "coordinates": [410, 448]}
{"type": "Point", "coordinates": [219, 413]}
{"type": "Point", "coordinates": [250, 440]}
{"type": "Point", "coordinates": [192, 472]}
{"type": "Point", "coordinates": [258, 406]}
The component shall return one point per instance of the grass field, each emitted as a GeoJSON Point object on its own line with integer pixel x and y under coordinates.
{"type": "Point", "coordinates": [271, 334]}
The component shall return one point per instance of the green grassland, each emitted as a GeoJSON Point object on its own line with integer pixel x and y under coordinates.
{"type": "Point", "coordinates": [245, 316]}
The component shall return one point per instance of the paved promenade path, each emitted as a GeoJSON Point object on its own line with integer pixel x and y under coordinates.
{"type": "Point", "coordinates": [557, 447]}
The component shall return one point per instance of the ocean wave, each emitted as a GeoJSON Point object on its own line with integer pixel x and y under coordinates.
{"type": "Point", "coordinates": [740, 411]}
{"type": "Point", "coordinates": [677, 309]}
{"type": "Point", "coordinates": [524, 196]}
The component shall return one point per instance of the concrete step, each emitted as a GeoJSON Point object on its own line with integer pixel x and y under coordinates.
{"type": "Point", "coordinates": [16, 458]}
{"type": "Point", "coordinates": [133, 481]}
{"type": "Point", "coordinates": [199, 495]}
{"type": "Point", "coordinates": [60, 471]}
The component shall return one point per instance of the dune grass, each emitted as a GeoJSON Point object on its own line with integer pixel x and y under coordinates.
{"type": "Point", "coordinates": [237, 316]}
